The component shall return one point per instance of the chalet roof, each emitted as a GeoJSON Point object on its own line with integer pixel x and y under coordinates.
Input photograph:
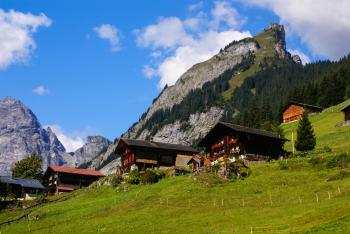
{"type": "Point", "coordinates": [346, 108]}
{"type": "Point", "coordinates": [313, 107]}
{"type": "Point", "coordinates": [26, 183]}
{"type": "Point", "coordinates": [73, 170]}
{"type": "Point", "coordinates": [241, 129]}
{"type": "Point", "coordinates": [154, 145]}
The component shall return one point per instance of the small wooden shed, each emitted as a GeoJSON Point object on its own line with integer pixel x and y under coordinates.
{"type": "Point", "coordinates": [294, 111]}
{"type": "Point", "coordinates": [23, 188]}
{"type": "Point", "coordinates": [346, 111]}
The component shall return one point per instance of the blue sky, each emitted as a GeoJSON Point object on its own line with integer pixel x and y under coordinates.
{"type": "Point", "coordinates": [96, 66]}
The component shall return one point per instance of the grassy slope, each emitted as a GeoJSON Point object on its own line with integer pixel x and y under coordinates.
{"type": "Point", "coordinates": [326, 132]}
{"type": "Point", "coordinates": [191, 205]}
{"type": "Point", "coordinates": [266, 40]}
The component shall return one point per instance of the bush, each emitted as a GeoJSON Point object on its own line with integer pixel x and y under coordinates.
{"type": "Point", "coordinates": [283, 165]}
{"type": "Point", "coordinates": [327, 149]}
{"type": "Point", "coordinates": [116, 180]}
{"type": "Point", "coordinates": [133, 177]}
{"type": "Point", "coordinates": [339, 176]}
{"type": "Point", "coordinates": [149, 177]}
{"type": "Point", "coordinates": [317, 161]}
{"type": "Point", "coordinates": [340, 161]}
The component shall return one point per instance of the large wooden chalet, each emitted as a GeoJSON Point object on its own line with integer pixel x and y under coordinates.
{"type": "Point", "coordinates": [294, 110]}
{"type": "Point", "coordinates": [66, 179]}
{"type": "Point", "coordinates": [230, 140]}
{"type": "Point", "coordinates": [149, 154]}
{"type": "Point", "coordinates": [346, 111]}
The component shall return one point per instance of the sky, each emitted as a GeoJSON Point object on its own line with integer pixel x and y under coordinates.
{"type": "Point", "coordinates": [93, 67]}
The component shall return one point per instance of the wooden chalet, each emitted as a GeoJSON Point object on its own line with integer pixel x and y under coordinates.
{"type": "Point", "coordinates": [346, 111]}
{"type": "Point", "coordinates": [66, 179]}
{"type": "Point", "coordinates": [230, 140]}
{"type": "Point", "coordinates": [149, 154]}
{"type": "Point", "coordinates": [294, 110]}
{"type": "Point", "coordinates": [26, 189]}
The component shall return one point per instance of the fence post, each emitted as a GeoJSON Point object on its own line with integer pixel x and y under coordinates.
{"type": "Point", "coordinates": [251, 230]}
{"type": "Point", "coordinates": [270, 200]}
{"type": "Point", "coordinates": [329, 195]}
{"type": "Point", "coordinates": [243, 202]}
{"type": "Point", "coordinates": [338, 190]}
{"type": "Point", "coordinates": [316, 198]}
{"type": "Point", "coordinates": [222, 202]}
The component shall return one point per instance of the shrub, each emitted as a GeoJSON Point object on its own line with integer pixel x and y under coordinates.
{"type": "Point", "coordinates": [339, 176]}
{"type": "Point", "coordinates": [283, 164]}
{"type": "Point", "coordinates": [149, 177]}
{"type": "Point", "coordinates": [134, 177]}
{"type": "Point", "coordinates": [116, 180]}
{"type": "Point", "coordinates": [340, 161]}
{"type": "Point", "coordinates": [327, 149]}
{"type": "Point", "coordinates": [317, 161]}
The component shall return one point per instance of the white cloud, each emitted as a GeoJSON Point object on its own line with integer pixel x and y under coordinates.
{"type": "Point", "coordinates": [111, 34]}
{"type": "Point", "coordinates": [323, 25]}
{"type": "Point", "coordinates": [183, 43]}
{"type": "Point", "coordinates": [72, 140]}
{"type": "Point", "coordinates": [304, 58]}
{"type": "Point", "coordinates": [195, 6]}
{"type": "Point", "coordinates": [41, 90]}
{"type": "Point", "coordinates": [16, 35]}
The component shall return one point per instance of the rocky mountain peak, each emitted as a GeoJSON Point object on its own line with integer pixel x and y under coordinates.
{"type": "Point", "coordinates": [94, 146]}
{"type": "Point", "coordinates": [21, 134]}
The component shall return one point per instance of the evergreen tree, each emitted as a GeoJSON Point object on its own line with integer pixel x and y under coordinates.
{"type": "Point", "coordinates": [306, 139]}
{"type": "Point", "coordinates": [29, 167]}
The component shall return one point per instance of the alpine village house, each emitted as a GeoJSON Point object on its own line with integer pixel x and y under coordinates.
{"type": "Point", "coordinates": [233, 141]}
{"type": "Point", "coordinates": [149, 154]}
{"type": "Point", "coordinates": [346, 111]}
{"type": "Point", "coordinates": [26, 189]}
{"type": "Point", "coordinates": [294, 111]}
{"type": "Point", "coordinates": [59, 179]}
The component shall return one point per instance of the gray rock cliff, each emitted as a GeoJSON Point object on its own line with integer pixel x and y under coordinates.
{"type": "Point", "coordinates": [21, 134]}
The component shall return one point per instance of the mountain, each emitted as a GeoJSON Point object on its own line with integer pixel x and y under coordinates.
{"type": "Point", "coordinates": [214, 81]}
{"type": "Point", "coordinates": [21, 134]}
{"type": "Point", "coordinates": [94, 146]}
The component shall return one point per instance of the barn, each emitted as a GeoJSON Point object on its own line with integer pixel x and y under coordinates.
{"type": "Point", "coordinates": [294, 110]}
{"type": "Point", "coordinates": [150, 154]}
{"type": "Point", "coordinates": [230, 140]}
{"type": "Point", "coordinates": [27, 189]}
{"type": "Point", "coordinates": [66, 179]}
{"type": "Point", "coordinates": [346, 111]}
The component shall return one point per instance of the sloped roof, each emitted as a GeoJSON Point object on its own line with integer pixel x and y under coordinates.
{"type": "Point", "coordinates": [155, 145]}
{"type": "Point", "coordinates": [303, 105]}
{"type": "Point", "coordinates": [73, 170]}
{"type": "Point", "coordinates": [345, 108]}
{"type": "Point", "coordinates": [242, 129]}
{"type": "Point", "coordinates": [26, 183]}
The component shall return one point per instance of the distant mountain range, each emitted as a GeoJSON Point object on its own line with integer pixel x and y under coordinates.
{"type": "Point", "coordinates": [21, 134]}
{"type": "Point", "coordinates": [247, 82]}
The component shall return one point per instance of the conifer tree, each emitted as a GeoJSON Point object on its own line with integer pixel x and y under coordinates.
{"type": "Point", "coordinates": [306, 139]}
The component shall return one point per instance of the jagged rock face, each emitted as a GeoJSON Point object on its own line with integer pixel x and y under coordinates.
{"type": "Point", "coordinates": [185, 133]}
{"type": "Point", "coordinates": [196, 77]}
{"type": "Point", "coordinates": [94, 146]}
{"type": "Point", "coordinates": [296, 58]}
{"type": "Point", "coordinates": [21, 134]}
{"type": "Point", "coordinates": [280, 45]}
{"type": "Point", "coordinates": [107, 161]}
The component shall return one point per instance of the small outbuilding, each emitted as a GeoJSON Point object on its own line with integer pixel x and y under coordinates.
{"type": "Point", "coordinates": [26, 189]}
{"type": "Point", "coordinates": [234, 141]}
{"type": "Point", "coordinates": [150, 154]}
{"type": "Point", "coordinates": [59, 179]}
{"type": "Point", "coordinates": [294, 111]}
{"type": "Point", "coordinates": [346, 111]}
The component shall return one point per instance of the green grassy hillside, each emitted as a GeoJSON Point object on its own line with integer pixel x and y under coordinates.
{"type": "Point", "coordinates": [338, 139]}
{"type": "Point", "coordinates": [271, 200]}
{"type": "Point", "coordinates": [298, 195]}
